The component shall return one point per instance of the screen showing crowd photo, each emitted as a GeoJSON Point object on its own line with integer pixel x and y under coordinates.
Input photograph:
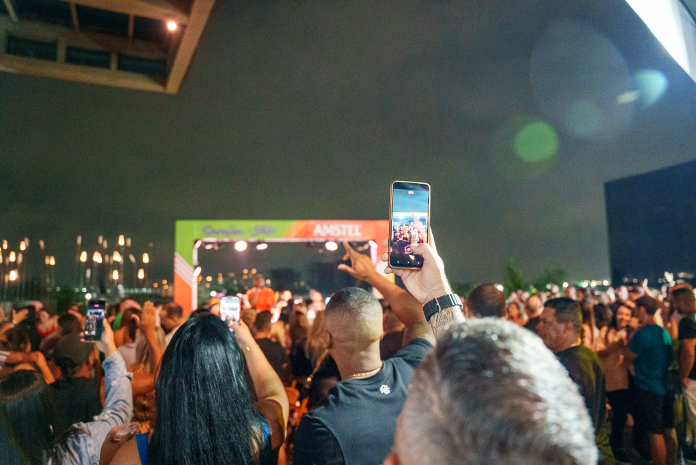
{"type": "Point", "coordinates": [409, 208]}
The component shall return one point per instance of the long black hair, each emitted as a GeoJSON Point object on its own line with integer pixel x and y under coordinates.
{"type": "Point", "coordinates": [204, 409]}
{"type": "Point", "coordinates": [30, 418]}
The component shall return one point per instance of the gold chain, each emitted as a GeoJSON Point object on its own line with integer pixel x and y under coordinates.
{"type": "Point", "coordinates": [367, 373]}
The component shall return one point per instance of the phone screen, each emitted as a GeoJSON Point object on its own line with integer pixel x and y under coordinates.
{"type": "Point", "coordinates": [96, 312]}
{"type": "Point", "coordinates": [230, 309]}
{"type": "Point", "coordinates": [410, 204]}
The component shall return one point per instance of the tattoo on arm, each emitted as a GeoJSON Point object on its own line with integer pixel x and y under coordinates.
{"type": "Point", "coordinates": [442, 319]}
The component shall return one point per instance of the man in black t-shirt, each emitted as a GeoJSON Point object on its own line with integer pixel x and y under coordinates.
{"type": "Point", "coordinates": [355, 423]}
{"type": "Point", "coordinates": [560, 327]}
{"type": "Point", "coordinates": [274, 351]}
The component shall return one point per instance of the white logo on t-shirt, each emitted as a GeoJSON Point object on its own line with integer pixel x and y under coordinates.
{"type": "Point", "coordinates": [384, 389]}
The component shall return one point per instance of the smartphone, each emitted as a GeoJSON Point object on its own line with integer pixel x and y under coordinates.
{"type": "Point", "coordinates": [230, 309]}
{"type": "Point", "coordinates": [96, 312]}
{"type": "Point", "coordinates": [409, 204]}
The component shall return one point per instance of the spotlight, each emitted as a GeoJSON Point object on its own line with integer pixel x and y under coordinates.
{"type": "Point", "coordinates": [209, 246]}
{"type": "Point", "coordinates": [196, 271]}
{"type": "Point", "coordinates": [261, 246]}
{"type": "Point", "coordinates": [331, 246]}
{"type": "Point", "coordinates": [240, 246]}
{"type": "Point", "coordinates": [171, 25]}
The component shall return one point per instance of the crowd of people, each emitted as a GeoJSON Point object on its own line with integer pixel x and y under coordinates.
{"type": "Point", "coordinates": [419, 376]}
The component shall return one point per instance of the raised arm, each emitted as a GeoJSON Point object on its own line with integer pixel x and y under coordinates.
{"type": "Point", "coordinates": [273, 401]}
{"type": "Point", "coordinates": [404, 305]}
{"type": "Point", "coordinates": [148, 325]}
{"type": "Point", "coordinates": [428, 283]}
{"type": "Point", "coordinates": [17, 318]}
{"type": "Point", "coordinates": [118, 406]}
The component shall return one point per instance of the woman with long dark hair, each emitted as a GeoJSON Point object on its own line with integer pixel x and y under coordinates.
{"type": "Point", "coordinates": [205, 413]}
{"type": "Point", "coordinates": [30, 431]}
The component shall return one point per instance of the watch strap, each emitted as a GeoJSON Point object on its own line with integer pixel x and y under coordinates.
{"type": "Point", "coordinates": [435, 305]}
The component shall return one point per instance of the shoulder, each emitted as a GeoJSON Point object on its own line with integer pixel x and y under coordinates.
{"type": "Point", "coordinates": [414, 352]}
{"type": "Point", "coordinates": [315, 443]}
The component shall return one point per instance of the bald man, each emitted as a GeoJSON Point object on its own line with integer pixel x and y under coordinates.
{"type": "Point", "coordinates": [534, 308]}
{"type": "Point", "coordinates": [356, 421]}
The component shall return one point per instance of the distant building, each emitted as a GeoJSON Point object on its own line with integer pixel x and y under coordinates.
{"type": "Point", "coordinates": [651, 222]}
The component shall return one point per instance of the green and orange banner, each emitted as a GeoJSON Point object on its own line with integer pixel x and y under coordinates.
{"type": "Point", "coordinates": [190, 231]}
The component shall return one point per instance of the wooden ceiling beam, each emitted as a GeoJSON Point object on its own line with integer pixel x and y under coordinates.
{"type": "Point", "coordinates": [155, 9]}
{"type": "Point", "coordinates": [32, 67]}
{"type": "Point", "coordinates": [90, 40]}
{"type": "Point", "coordinates": [191, 34]}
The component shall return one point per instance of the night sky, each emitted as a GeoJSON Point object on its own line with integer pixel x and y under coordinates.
{"type": "Point", "coordinates": [309, 111]}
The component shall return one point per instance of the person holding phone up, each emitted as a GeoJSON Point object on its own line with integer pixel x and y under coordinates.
{"type": "Point", "coordinates": [356, 421]}
{"type": "Point", "coordinates": [31, 432]}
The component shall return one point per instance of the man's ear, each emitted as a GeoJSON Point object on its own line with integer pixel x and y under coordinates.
{"type": "Point", "coordinates": [328, 340]}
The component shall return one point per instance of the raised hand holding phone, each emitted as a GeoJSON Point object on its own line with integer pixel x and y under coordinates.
{"type": "Point", "coordinates": [425, 283]}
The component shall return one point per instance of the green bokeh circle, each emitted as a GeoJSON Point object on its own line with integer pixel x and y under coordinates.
{"type": "Point", "coordinates": [535, 142]}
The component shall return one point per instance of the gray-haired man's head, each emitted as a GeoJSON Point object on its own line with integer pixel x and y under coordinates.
{"type": "Point", "coordinates": [492, 393]}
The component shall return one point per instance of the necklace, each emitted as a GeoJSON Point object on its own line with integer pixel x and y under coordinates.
{"type": "Point", "coordinates": [367, 373]}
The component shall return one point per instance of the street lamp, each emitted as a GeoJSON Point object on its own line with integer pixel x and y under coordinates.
{"type": "Point", "coordinates": [13, 256]}
{"type": "Point", "coordinates": [13, 275]}
{"type": "Point", "coordinates": [141, 274]}
{"type": "Point", "coordinates": [146, 258]}
{"type": "Point", "coordinates": [115, 275]}
{"type": "Point", "coordinates": [83, 256]}
{"type": "Point", "coordinates": [121, 240]}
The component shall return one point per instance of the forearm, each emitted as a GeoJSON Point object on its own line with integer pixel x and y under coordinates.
{"type": "Point", "coordinates": [18, 357]}
{"type": "Point", "coordinates": [118, 401]}
{"type": "Point", "coordinates": [6, 327]}
{"type": "Point", "coordinates": [46, 372]}
{"type": "Point", "coordinates": [156, 348]}
{"type": "Point", "coordinates": [266, 381]}
{"type": "Point", "coordinates": [445, 317]}
{"type": "Point", "coordinates": [402, 303]}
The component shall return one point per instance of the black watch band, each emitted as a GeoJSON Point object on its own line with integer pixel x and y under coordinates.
{"type": "Point", "coordinates": [435, 305]}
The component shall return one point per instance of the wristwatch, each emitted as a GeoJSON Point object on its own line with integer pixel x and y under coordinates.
{"type": "Point", "coordinates": [435, 305]}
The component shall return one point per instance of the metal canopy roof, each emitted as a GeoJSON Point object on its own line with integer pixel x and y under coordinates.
{"type": "Point", "coordinates": [123, 43]}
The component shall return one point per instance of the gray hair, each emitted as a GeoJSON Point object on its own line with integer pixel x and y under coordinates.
{"type": "Point", "coordinates": [492, 393]}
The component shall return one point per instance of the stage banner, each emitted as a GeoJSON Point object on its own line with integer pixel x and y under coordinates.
{"type": "Point", "coordinates": [190, 231]}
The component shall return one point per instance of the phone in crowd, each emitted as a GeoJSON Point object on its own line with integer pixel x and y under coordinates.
{"type": "Point", "coordinates": [230, 309]}
{"type": "Point", "coordinates": [409, 205]}
{"type": "Point", "coordinates": [96, 312]}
